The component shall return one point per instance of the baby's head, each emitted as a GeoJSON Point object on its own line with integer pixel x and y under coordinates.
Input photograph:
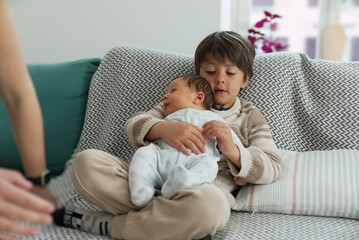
{"type": "Point", "coordinates": [189, 91]}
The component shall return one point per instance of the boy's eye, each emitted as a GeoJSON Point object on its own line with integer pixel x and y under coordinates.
{"type": "Point", "coordinates": [210, 72]}
{"type": "Point", "coordinates": [230, 73]}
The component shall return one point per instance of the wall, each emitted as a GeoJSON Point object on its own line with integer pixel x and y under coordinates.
{"type": "Point", "coordinates": [54, 31]}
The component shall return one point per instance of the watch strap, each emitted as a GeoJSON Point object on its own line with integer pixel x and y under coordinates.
{"type": "Point", "coordinates": [43, 180]}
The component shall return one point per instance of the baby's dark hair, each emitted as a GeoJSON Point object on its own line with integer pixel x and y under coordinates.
{"type": "Point", "coordinates": [200, 84]}
{"type": "Point", "coordinates": [227, 45]}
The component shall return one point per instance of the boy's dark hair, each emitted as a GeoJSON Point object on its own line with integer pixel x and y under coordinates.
{"type": "Point", "coordinates": [200, 84]}
{"type": "Point", "coordinates": [227, 45]}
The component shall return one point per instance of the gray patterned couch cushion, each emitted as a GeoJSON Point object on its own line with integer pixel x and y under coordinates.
{"type": "Point", "coordinates": [309, 105]}
{"type": "Point", "coordinates": [130, 79]}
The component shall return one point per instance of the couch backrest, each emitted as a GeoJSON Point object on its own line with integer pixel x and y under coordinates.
{"type": "Point", "coordinates": [129, 79]}
{"type": "Point", "coordinates": [310, 105]}
{"type": "Point", "coordinates": [62, 90]}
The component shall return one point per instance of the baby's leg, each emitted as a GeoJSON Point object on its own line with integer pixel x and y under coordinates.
{"type": "Point", "coordinates": [178, 178]}
{"type": "Point", "coordinates": [143, 175]}
{"type": "Point", "coordinates": [200, 169]}
{"type": "Point", "coordinates": [203, 169]}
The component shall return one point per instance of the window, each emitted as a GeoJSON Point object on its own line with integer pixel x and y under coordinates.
{"type": "Point", "coordinates": [355, 45]}
{"type": "Point", "coordinates": [310, 46]}
{"type": "Point", "coordinates": [313, 3]}
{"type": "Point", "coordinates": [301, 21]}
{"type": "Point", "coordinates": [262, 2]}
{"type": "Point", "coordinates": [295, 28]}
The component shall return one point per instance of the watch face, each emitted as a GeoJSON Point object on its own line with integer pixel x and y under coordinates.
{"type": "Point", "coordinates": [43, 180]}
{"type": "Point", "coordinates": [45, 177]}
{"type": "Point", "coordinates": [48, 177]}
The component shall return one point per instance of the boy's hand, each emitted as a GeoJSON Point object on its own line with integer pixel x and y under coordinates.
{"type": "Point", "coordinates": [240, 181]}
{"type": "Point", "coordinates": [225, 143]}
{"type": "Point", "coordinates": [183, 136]}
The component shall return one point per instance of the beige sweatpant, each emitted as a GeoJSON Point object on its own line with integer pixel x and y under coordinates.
{"type": "Point", "coordinates": [102, 179]}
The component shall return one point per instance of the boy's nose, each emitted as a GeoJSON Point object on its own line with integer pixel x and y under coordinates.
{"type": "Point", "coordinates": [165, 96]}
{"type": "Point", "coordinates": [220, 78]}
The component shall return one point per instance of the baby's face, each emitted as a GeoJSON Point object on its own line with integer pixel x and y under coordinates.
{"type": "Point", "coordinates": [179, 96]}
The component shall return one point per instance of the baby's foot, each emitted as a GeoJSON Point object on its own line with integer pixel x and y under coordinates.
{"type": "Point", "coordinates": [178, 178]}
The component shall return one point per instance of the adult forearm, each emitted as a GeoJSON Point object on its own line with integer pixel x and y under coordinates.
{"type": "Point", "coordinates": [27, 126]}
{"type": "Point", "coordinates": [18, 93]}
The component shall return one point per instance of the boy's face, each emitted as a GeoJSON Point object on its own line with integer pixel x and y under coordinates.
{"type": "Point", "coordinates": [179, 96]}
{"type": "Point", "coordinates": [226, 80]}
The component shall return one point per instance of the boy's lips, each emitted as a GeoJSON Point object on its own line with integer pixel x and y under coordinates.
{"type": "Point", "coordinates": [220, 91]}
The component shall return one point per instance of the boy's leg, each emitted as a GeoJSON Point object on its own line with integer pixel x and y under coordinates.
{"type": "Point", "coordinates": [102, 179]}
{"type": "Point", "coordinates": [188, 214]}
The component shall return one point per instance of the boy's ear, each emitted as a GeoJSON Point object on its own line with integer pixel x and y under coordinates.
{"type": "Point", "coordinates": [199, 98]}
{"type": "Point", "coordinates": [245, 82]}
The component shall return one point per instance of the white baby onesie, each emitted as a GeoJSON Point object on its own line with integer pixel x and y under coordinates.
{"type": "Point", "coordinates": [160, 165]}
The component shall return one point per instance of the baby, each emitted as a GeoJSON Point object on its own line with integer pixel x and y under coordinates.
{"type": "Point", "coordinates": [160, 165]}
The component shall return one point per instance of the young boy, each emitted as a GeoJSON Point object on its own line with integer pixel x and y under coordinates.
{"type": "Point", "coordinates": [225, 60]}
{"type": "Point", "coordinates": [160, 165]}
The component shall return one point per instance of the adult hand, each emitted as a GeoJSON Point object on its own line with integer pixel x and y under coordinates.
{"type": "Point", "coordinates": [45, 193]}
{"type": "Point", "coordinates": [18, 204]}
{"type": "Point", "coordinates": [183, 136]}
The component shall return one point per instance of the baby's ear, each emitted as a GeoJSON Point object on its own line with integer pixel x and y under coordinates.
{"type": "Point", "coordinates": [199, 98]}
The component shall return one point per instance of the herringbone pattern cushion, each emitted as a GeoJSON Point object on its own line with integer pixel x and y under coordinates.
{"type": "Point", "coordinates": [309, 104]}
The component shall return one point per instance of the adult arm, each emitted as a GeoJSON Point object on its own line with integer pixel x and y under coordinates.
{"type": "Point", "coordinates": [145, 127]}
{"type": "Point", "coordinates": [18, 93]}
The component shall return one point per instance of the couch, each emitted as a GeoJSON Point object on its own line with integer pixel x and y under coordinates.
{"type": "Point", "coordinates": [312, 107]}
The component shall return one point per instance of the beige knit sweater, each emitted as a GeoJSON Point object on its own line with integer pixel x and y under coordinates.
{"type": "Point", "coordinates": [261, 163]}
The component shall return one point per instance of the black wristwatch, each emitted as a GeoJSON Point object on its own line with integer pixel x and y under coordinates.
{"type": "Point", "coordinates": [43, 180]}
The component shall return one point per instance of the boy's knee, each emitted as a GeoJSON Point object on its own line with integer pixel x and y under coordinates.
{"type": "Point", "coordinates": [83, 168]}
{"type": "Point", "coordinates": [83, 161]}
{"type": "Point", "coordinates": [211, 207]}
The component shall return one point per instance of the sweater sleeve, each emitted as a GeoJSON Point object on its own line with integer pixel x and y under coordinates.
{"type": "Point", "coordinates": [260, 160]}
{"type": "Point", "coordinates": [138, 125]}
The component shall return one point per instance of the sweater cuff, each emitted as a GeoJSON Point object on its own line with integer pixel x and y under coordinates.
{"type": "Point", "coordinates": [245, 163]}
{"type": "Point", "coordinates": [144, 130]}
